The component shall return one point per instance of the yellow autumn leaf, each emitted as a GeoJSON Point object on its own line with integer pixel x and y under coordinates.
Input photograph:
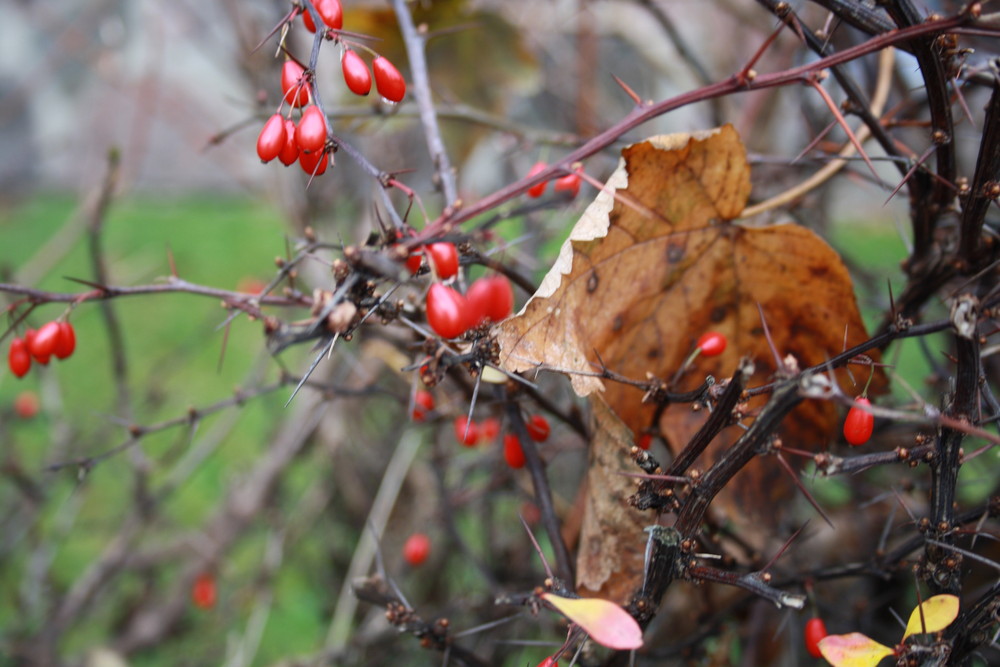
{"type": "Point", "coordinates": [606, 623]}
{"type": "Point", "coordinates": [853, 650]}
{"type": "Point", "coordinates": [938, 613]}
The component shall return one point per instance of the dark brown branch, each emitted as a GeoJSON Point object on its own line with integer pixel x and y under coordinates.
{"type": "Point", "coordinates": [985, 188]}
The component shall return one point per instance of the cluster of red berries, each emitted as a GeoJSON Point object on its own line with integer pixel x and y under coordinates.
{"type": "Point", "coordinates": [451, 313]}
{"type": "Point", "coordinates": [306, 142]}
{"type": "Point", "coordinates": [53, 339]}
{"type": "Point", "coordinates": [569, 183]}
{"type": "Point", "coordinates": [470, 433]}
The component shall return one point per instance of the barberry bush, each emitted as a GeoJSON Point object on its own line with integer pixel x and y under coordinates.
{"type": "Point", "coordinates": [602, 333]}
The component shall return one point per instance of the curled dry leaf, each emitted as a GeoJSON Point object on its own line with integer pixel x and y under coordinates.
{"type": "Point", "coordinates": [655, 262]}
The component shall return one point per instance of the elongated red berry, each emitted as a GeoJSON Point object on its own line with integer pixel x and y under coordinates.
{"type": "Point", "coordinates": [271, 139]}
{"type": "Point", "coordinates": [388, 81]}
{"type": "Point", "coordinates": [203, 591]}
{"type": "Point", "coordinates": [416, 549]}
{"type": "Point", "coordinates": [329, 11]}
{"type": "Point", "coordinates": [314, 163]}
{"type": "Point", "coordinates": [490, 298]}
{"type": "Point", "coordinates": [18, 357]}
{"type": "Point", "coordinates": [290, 151]}
{"type": "Point", "coordinates": [711, 344]}
{"type": "Point", "coordinates": [356, 74]}
{"type": "Point", "coordinates": [548, 662]}
{"type": "Point", "coordinates": [466, 431]}
{"type": "Point", "coordinates": [815, 630]}
{"type": "Point", "coordinates": [26, 404]}
{"type": "Point", "coordinates": [43, 343]}
{"type": "Point", "coordinates": [294, 89]}
{"type": "Point", "coordinates": [538, 428]}
{"type": "Point", "coordinates": [447, 311]}
{"type": "Point", "coordinates": [860, 423]}
{"type": "Point", "coordinates": [512, 452]}
{"type": "Point", "coordinates": [489, 429]}
{"type": "Point", "coordinates": [310, 133]}
{"type": "Point", "coordinates": [569, 183]}
{"type": "Point", "coordinates": [444, 259]}
{"type": "Point", "coordinates": [423, 402]}
{"type": "Point", "coordinates": [537, 190]}
{"type": "Point", "coordinates": [65, 342]}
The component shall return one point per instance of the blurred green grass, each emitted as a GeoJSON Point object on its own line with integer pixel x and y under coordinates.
{"type": "Point", "coordinates": [173, 350]}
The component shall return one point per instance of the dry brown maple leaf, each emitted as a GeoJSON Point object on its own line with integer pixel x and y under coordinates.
{"type": "Point", "coordinates": [654, 262]}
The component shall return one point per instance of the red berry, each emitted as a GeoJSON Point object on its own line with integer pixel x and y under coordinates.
{"type": "Point", "coordinates": [329, 10]}
{"type": "Point", "coordinates": [310, 134]}
{"type": "Point", "coordinates": [314, 164]}
{"type": "Point", "coordinates": [272, 138]}
{"type": "Point", "coordinates": [490, 299]}
{"type": "Point", "coordinates": [43, 343]}
{"type": "Point", "coordinates": [815, 630]}
{"type": "Point", "coordinates": [548, 662]}
{"type": "Point", "coordinates": [447, 311]}
{"type": "Point", "coordinates": [356, 74]}
{"type": "Point", "coordinates": [416, 549]}
{"type": "Point", "coordinates": [859, 423]}
{"type": "Point", "coordinates": [466, 431]}
{"type": "Point", "coordinates": [645, 440]}
{"type": "Point", "coordinates": [568, 183]}
{"type": "Point", "coordinates": [290, 151]}
{"type": "Point", "coordinates": [512, 452]}
{"type": "Point", "coordinates": [294, 89]}
{"type": "Point", "coordinates": [203, 591]}
{"type": "Point", "coordinates": [26, 404]}
{"type": "Point", "coordinates": [388, 81]}
{"type": "Point", "coordinates": [414, 261]}
{"type": "Point", "coordinates": [489, 429]}
{"type": "Point", "coordinates": [537, 190]}
{"type": "Point", "coordinates": [711, 343]}
{"type": "Point", "coordinates": [65, 342]}
{"type": "Point", "coordinates": [423, 402]}
{"type": "Point", "coordinates": [538, 428]}
{"type": "Point", "coordinates": [444, 259]}
{"type": "Point", "coordinates": [18, 357]}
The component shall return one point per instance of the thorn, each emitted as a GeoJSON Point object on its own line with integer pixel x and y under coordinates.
{"type": "Point", "coordinates": [779, 364]}
{"type": "Point", "coordinates": [628, 91]}
{"type": "Point", "coordinates": [784, 547]}
{"type": "Point", "coordinates": [746, 75]}
{"type": "Point", "coordinates": [309, 372]}
{"type": "Point", "coordinates": [538, 549]}
{"type": "Point", "coordinates": [472, 406]}
{"type": "Point", "coordinates": [843, 124]}
{"type": "Point", "coordinates": [171, 261]}
{"type": "Point", "coordinates": [910, 173]}
{"type": "Point", "coordinates": [281, 24]}
{"type": "Point", "coordinates": [803, 489]}
{"type": "Point", "coordinates": [222, 351]}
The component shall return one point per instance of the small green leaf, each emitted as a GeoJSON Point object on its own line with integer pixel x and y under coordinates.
{"type": "Point", "coordinates": [939, 612]}
{"type": "Point", "coordinates": [605, 622]}
{"type": "Point", "coordinates": [853, 650]}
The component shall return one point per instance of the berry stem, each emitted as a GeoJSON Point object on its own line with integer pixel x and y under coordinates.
{"type": "Point", "coordinates": [422, 92]}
